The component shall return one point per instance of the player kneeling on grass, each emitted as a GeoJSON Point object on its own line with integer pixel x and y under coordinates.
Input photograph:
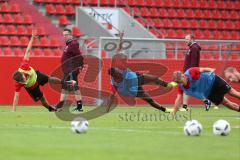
{"type": "Point", "coordinates": [205, 85]}
{"type": "Point", "coordinates": [31, 80]}
{"type": "Point", "coordinates": [129, 84]}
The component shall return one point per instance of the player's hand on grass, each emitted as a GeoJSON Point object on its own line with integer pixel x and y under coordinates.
{"type": "Point", "coordinates": [207, 104]}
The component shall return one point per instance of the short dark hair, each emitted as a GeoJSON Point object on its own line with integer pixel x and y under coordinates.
{"type": "Point", "coordinates": [111, 71]}
{"type": "Point", "coordinates": [17, 76]}
{"type": "Point", "coordinates": [66, 29]}
{"type": "Point", "coordinates": [230, 69]}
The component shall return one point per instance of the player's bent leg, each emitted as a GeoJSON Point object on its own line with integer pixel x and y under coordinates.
{"type": "Point", "coordinates": [230, 105]}
{"type": "Point", "coordinates": [146, 97]}
{"type": "Point", "coordinates": [54, 80]}
{"type": "Point", "coordinates": [150, 79]}
{"type": "Point", "coordinates": [47, 105]}
{"type": "Point", "coordinates": [63, 97]}
{"type": "Point", "coordinates": [234, 93]}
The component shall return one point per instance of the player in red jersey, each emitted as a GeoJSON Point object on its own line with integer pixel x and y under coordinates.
{"type": "Point", "coordinates": [31, 80]}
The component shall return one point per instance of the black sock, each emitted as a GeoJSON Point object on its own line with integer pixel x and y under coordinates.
{"type": "Point", "coordinates": [60, 104]}
{"type": "Point", "coordinates": [162, 109]}
{"type": "Point", "coordinates": [238, 108]}
{"type": "Point", "coordinates": [79, 104]}
{"type": "Point", "coordinates": [184, 106]}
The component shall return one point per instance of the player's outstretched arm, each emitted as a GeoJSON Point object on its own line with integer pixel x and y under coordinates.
{"type": "Point", "coordinates": [207, 69]}
{"type": "Point", "coordinates": [177, 103]}
{"type": "Point", "coordinates": [15, 101]}
{"type": "Point", "coordinates": [30, 43]}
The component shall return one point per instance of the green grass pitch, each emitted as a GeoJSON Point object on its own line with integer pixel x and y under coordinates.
{"type": "Point", "coordinates": [126, 133]}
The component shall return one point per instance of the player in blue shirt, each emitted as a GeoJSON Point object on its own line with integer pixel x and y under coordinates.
{"type": "Point", "coordinates": [204, 84]}
{"type": "Point", "coordinates": [129, 84]}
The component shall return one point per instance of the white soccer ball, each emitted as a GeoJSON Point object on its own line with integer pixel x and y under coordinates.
{"type": "Point", "coordinates": [221, 128]}
{"type": "Point", "coordinates": [192, 128]}
{"type": "Point", "coordinates": [79, 125]}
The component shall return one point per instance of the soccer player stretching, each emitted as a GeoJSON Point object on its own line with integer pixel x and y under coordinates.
{"type": "Point", "coordinates": [128, 83]}
{"type": "Point", "coordinates": [205, 85]}
{"type": "Point", "coordinates": [31, 80]}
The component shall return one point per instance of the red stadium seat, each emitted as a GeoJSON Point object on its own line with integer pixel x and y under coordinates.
{"type": "Point", "coordinates": [132, 2]}
{"type": "Point", "coordinates": [171, 33]}
{"type": "Point", "coordinates": [221, 4]}
{"type": "Point", "coordinates": [162, 12]}
{"type": "Point", "coordinates": [207, 34]}
{"type": "Point", "coordinates": [158, 23]}
{"type": "Point", "coordinates": [216, 56]}
{"type": "Point", "coordinates": [11, 30]}
{"type": "Point", "coordinates": [76, 2]}
{"type": "Point", "coordinates": [54, 42]}
{"type": "Point", "coordinates": [76, 32]}
{"type": "Point", "coordinates": [216, 14]}
{"type": "Point", "coordinates": [24, 41]}
{"type": "Point", "coordinates": [41, 31]}
{"type": "Point", "coordinates": [180, 33]}
{"type": "Point", "coordinates": [36, 42]}
{"type": "Point", "coordinates": [185, 23]}
{"type": "Point", "coordinates": [170, 55]}
{"type": "Point", "coordinates": [185, 4]}
{"type": "Point", "coordinates": [150, 3]}
{"type": "Point", "coordinates": [212, 24]}
{"type": "Point", "coordinates": [137, 11]}
{"type": "Point", "coordinates": [14, 41]}
{"type": "Point", "coordinates": [104, 2]}
{"type": "Point", "coordinates": [15, 8]}
{"type": "Point", "coordinates": [203, 24]}
{"type": "Point", "coordinates": [63, 21]}
{"type": "Point", "coordinates": [21, 30]}
{"type": "Point", "coordinates": [48, 52]}
{"type": "Point", "coordinates": [5, 8]}
{"type": "Point", "coordinates": [18, 52]}
{"type": "Point", "coordinates": [44, 41]}
{"type": "Point", "coordinates": [221, 24]}
{"type": "Point", "coordinates": [141, 2]}
{"type": "Point", "coordinates": [180, 13]}
{"type": "Point", "coordinates": [3, 30]}
{"type": "Point", "coordinates": [234, 14]}
{"type": "Point", "coordinates": [50, 9]}
{"type": "Point", "coordinates": [29, 30]}
{"type": "Point", "coordinates": [57, 52]}
{"type": "Point", "coordinates": [198, 13]}
{"type": "Point", "coordinates": [180, 55]}
{"type": "Point", "coordinates": [93, 2]}
{"type": "Point", "coordinates": [235, 35]}
{"type": "Point", "coordinates": [7, 18]}
{"type": "Point", "coordinates": [4, 41]}
{"type": "Point", "coordinates": [28, 19]}
{"type": "Point", "coordinates": [37, 52]}
{"type": "Point", "coordinates": [189, 13]}
{"type": "Point", "coordinates": [225, 14]}
{"type": "Point", "coordinates": [7, 51]}
{"type": "Point", "coordinates": [216, 34]}
{"type": "Point", "coordinates": [18, 19]}
{"type": "Point", "coordinates": [194, 24]}
{"type": "Point", "coordinates": [207, 13]}
{"type": "Point", "coordinates": [141, 21]}
{"type": "Point", "coordinates": [207, 56]}
{"type": "Point", "coordinates": [59, 9]}
{"type": "Point", "coordinates": [112, 2]}
{"type": "Point", "coordinates": [167, 23]}
{"type": "Point", "coordinates": [176, 23]}
{"type": "Point", "coordinates": [235, 56]}
{"type": "Point", "coordinates": [155, 32]}
{"type": "Point", "coordinates": [150, 22]}
{"type": "Point", "coordinates": [145, 12]}
{"type": "Point", "coordinates": [70, 10]}
{"type": "Point", "coordinates": [229, 24]}
{"type": "Point", "coordinates": [172, 13]}
{"type": "Point", "coordinates": [154, 12]}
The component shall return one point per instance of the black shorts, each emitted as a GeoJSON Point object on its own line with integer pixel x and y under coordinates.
{"type": "Point", "coordinates": [35, 92]}
{"type": "Point", "coordinates": [140, 83]}
{"type": "Point", "coordinates": [68, 77]}
{"type": "Point", "coordinates": [219, 89]}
